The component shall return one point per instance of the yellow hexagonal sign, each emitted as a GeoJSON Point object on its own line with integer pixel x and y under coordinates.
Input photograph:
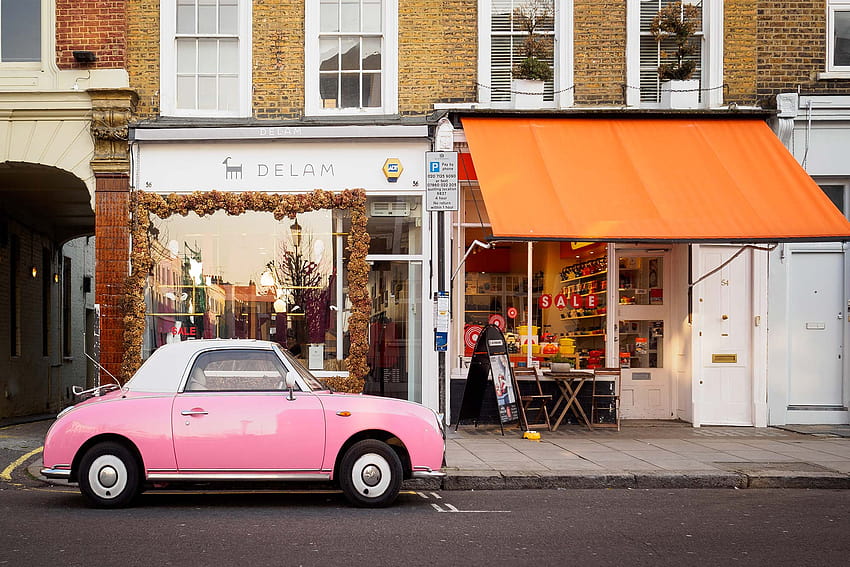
{"type": "Point", "coordinates": [392, 169]}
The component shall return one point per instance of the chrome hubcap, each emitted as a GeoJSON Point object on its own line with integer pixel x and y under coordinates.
{"type": "Point", "coordinates": [107, 477]}
{"type": "Point", "coordinates": [371, 475]}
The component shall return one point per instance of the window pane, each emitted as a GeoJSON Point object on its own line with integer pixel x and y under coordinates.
{"type": "Point", "coordinates": [395, 224]}
{"type": "Point", "coordinates": [350, 15]}
{"type": "Point", "coordinates": [228, 21]}
{"type": "Point", "coordinates": [350, 90]}
{"type": "Point", "coordinates": [371, 54]}
{"type": "Point", "coordinates": [641, 344]}
{"type": "Point", "coordinates": [641, 281]}
{"type": "Point", "coordinates": [186, 17]}
{"type": "Point", "coordinates": [350, 47]}
{"type": "Point", "coordinates": [328, 88]}
{"type": "Point", "coordinates": [329, 54]}
{"type": "Point", "coordinates": [207, 55]}
{"type": "Point", "coordinates": [372, 90]}
{"type": "Point", "coordinates": [207, 91]}
{"type": "Point", "coordinates": [372, 18]}
{"type": "Point", "coordinates": [186, 92]}
{"type": "Point", "coordinates": [207, 17]}
{"type": "Point", "coordinates": [228, 56]}
{"type": "Point", "coordinates": [228, 93]}
{"type": "Point", "coordinates": [329, 16]}
{"type": "Point", "coordinates": [836, 195]}
{"type": "Point", "coordinates": [841, 55]}
{"type": "Point", "coordinates": [20, 32]}
{"type": "Point", "coordinates": [186, 56]}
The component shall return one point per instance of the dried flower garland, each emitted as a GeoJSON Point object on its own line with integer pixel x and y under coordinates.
{"type": "Point", "coordinates": [143, 204]}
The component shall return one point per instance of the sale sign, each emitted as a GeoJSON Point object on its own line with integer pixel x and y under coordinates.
{"type": "Point", "coordinates": [576, 301]}
{"type": "Point", "coordinates": [545, 301]}
{"type": "Point", "coordinates": [561, 301]}
{"type": "Point", "coordinates": [592, 301]}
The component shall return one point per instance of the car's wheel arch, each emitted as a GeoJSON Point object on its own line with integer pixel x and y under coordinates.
{"type": "Point", "coordinates": [104, 438]}
{"type": "Point", "coordinates": [390, 439]}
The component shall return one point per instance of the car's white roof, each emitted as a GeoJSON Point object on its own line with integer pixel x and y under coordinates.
{"type": "Point", "coordinates": [165, 367]}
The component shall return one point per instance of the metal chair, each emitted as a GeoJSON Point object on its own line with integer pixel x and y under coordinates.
{"type": "Point", "coordinates": [532, 402]}
{"type": "Point", "coordinates": [605, 398]}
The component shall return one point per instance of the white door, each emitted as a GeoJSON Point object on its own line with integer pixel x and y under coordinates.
{"type": "Point", "coordinates": [642, 322]}
{"type": "Point", "coordinates": [724, 306]}
{"type": "Point", "coordinates": [816, 331]}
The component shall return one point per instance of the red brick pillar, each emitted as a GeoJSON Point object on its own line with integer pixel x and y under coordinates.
{"type": "Point", "coordinates": [112, 110]}
{"type": "Point", "coordinates": [112, 266]}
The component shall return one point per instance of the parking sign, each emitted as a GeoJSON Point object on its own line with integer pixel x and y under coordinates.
{"type": "Point", "coordinates": [441, 189]}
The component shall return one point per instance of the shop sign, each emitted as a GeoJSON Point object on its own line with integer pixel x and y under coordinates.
{"type": "Point", "coordinates": [592, 301]}
{"type": "Point", "coordinates": [278, 165]}
{"type": "Point", "coordinates": [545, 301]}
{"type": "Point", "coordinates": [441, 189]}
{"type": "Point", "coordinates": [561, 301]}
{"type": "Point", "coordinates": [576, 301]}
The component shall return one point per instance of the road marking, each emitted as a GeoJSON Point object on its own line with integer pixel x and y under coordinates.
{"type": "Point", "coordinates": [451, 509]}
{"type": "Point", "coordinates": [7, 472]}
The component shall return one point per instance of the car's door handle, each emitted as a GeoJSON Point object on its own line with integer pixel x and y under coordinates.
{"type": "Point", "coordinates": [194, 412]}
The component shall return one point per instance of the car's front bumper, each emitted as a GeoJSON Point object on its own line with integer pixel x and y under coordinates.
{"type": "Point", "coordinates": [57, 473]}
{"type": "Point", "coordinates": [428, 474]}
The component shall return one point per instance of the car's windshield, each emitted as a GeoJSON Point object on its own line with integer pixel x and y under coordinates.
{"type": "Point", "coordinates": [312, 382]}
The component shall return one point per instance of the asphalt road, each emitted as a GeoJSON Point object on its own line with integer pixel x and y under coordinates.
{"type": "Point", "coordinates": [52, 526]}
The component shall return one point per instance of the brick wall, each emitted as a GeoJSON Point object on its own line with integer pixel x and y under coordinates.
{"type": "Point", "coordinates": [791, 48]}
{"type": "Point", "coordinates": [600, 51]}
{"type": "Point", "coordinates": [143, 54]}
{"type": "Point", "coordinates": [438, 54]}
{"type": "Point", "coordinates": [90, 25]}
{"type": "Point", "coordinates": [739, 51]}
{"type": "Point", "coordinates": [278, 59]}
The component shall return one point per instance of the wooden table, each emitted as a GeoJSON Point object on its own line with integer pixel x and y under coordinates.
{"type": "Point", "coordinates": [569, 385]}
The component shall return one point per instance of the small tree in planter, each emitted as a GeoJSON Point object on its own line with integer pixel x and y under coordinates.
{"type": "Point", "coordinates": [533, 71]}
{"type": "Point", "coordinates": [678, 22]}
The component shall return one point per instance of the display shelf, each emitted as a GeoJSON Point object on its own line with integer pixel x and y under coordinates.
{"type": "Point", "coordinates": [583, 317]}
{"type": "Point", "coordinates": [579, 278]}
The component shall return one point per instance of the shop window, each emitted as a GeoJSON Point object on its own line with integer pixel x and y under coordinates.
{"type": "Point", "coordinates": [205, 57]}
{"type": "Point", "coordinates": [838, 36]}
{"type": "Point", "coordinates": [351, 56]}
{"type": "Point", "coordinates": [503, 48]}
{"type": "Point", "coordinates": [641, 281]}
{"type": "Point", "coordinates": [20, 31]}
{"type": "Point", "coordinates": [395, 224]}
{"type": "Point", "coordinates": [250, 276]}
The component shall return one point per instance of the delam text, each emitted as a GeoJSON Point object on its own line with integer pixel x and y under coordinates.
{"type": "Point", "coordinates": [294, 170]}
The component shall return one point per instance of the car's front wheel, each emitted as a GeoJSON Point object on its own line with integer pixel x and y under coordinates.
{"type": "Point", "coordinates": [370, 474]}
{"type": "Point", "coordinates": [109, 475]}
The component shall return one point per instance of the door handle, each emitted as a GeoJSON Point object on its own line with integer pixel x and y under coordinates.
{"type": "Point", "coordinates": [194, 412]}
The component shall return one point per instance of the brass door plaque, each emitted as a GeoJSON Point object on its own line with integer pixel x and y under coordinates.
{"type": "Point", "coordinates": [724, 358]}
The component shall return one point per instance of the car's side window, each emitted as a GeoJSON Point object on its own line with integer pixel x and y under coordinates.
{"type": "Point", "coordinates": [237, 370]}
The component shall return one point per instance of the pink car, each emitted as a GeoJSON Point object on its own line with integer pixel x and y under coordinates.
{"type": "Point", "coordinates": [239, 410]}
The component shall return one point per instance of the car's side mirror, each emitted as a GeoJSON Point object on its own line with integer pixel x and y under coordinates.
{"type": "Point", "coordinates": [290, 384]}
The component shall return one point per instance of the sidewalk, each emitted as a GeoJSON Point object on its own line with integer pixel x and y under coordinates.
{"type": "Point", "coordinates": [643, 454]}
{"type": "Point", "coordinates": [649, 454]}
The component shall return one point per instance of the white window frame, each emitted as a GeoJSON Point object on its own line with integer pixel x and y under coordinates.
{"type": "Point", "coordinates": [712, 55]}
{"type": "Point", "coordinates": [389, 62]}
{"type": "Point", "coordinates": [48, 45]}
{"type": "Point", "coordinates": [834, 71]}
{"type": "Point", "coordinates": [168, 64]}
{"type": "Point", "coordinates": [564, 94]}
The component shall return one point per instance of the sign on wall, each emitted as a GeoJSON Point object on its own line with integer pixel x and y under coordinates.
{"type": "Point", "coordinates": [277, 165]}
{"type": "Point", "coordinates": [441, 190]}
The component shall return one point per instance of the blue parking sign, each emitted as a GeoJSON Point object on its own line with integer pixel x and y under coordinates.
{"type": "Point", "coordinates": [434, 167]}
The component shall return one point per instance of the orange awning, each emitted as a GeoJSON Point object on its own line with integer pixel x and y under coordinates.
{"type": "Point", "coordinates": [640, 179]}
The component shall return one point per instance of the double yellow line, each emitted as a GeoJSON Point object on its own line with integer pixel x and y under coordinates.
{"type": "Point", "coordinates": [6, 475]}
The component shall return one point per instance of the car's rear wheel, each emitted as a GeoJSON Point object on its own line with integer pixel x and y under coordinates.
{"type": "Point", "coordinates": [370, 474]}
{"type": "Point", "coordinates": [109, 475]}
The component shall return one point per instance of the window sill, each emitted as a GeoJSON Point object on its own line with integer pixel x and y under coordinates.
{"type": "Point", "coordinates": [830, 75]}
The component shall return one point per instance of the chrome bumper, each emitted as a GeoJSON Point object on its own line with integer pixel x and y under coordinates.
{"type": "Point", "coordinates": [63, 474]}
{"type": "Point", "coordinates": [428, 474]}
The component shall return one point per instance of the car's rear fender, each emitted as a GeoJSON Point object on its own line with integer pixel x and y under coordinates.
{"type": "Point", "coordinates": [103, 438]}
{"type": "Point", "coordinates": [379, 435]}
